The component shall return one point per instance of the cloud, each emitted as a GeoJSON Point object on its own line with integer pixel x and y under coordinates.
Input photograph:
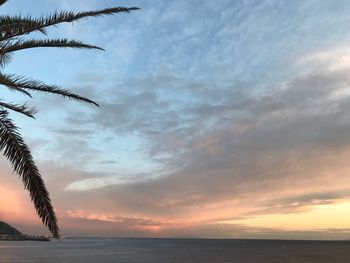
{"type": "Point", "coordinates": [330, 59]}
{"type": "Point", "coordinates": [280, 151]}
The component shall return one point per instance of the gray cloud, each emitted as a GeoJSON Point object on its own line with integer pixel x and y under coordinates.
{"type": "Point", "coordinates": [288, 138]}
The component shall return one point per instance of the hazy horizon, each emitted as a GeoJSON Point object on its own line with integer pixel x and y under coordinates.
{"type": "Point", "coordinates": [217, 120]}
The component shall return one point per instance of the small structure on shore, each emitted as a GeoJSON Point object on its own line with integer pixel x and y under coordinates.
{"type": "Point", "coordinates": [9, 233]}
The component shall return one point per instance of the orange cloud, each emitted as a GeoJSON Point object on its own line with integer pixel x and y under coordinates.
{"type": "Point", "coordinates": [91, 216]}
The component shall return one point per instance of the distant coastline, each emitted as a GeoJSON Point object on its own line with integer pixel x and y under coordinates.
{"type": "Point", "coordinates": [9, 233]}
{"type": "Point", "coordinates": [23, 238]}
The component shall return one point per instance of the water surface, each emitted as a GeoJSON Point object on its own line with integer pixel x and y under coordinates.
{"type": "Point", "coordinates": [93, 250]}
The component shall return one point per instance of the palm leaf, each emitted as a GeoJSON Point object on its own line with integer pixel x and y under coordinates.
{"type": "Point", "coordinates": [22, 83]}
{"type": "Point", "coordinates": [6, 81]}
{"type": "Point", "coordinates": [25, 44]}
{"type": "Point", "coordinates": [34, 43]}
{"type": "Point", "coordinates": [4, 59]}
{"type": "Point", "coordinates": [61, 17]}
{"type": "Point", "coordinates": [23, 109]}
{"type": "Point", "coordinates": [10, 25]}
{"type": "Point", "coordinates": [18, 153]}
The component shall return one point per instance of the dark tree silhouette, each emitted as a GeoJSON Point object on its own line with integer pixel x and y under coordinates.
{"type": "Point", "coordinates": [14, 32]}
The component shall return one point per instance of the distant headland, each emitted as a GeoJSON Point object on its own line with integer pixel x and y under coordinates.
{"type": "Point", "coordinates": [9, 233]}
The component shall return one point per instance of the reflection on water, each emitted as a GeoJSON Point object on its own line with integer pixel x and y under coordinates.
{"type": "Point", "coordinates": [173, 251]}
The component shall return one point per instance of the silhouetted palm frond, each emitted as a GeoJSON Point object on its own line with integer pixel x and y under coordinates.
{"type": "Point", "coordinates": [13, 37]}
{"type": "Point", "coordinates": [4, 80]}
{"type": "Point", "coordinates": [16, 24]}
{"type": "Point", "coordinates": [18, 153]}
{"type": "Point", "coordinates": [23, 84]}
{"type": "Point", "coordinates": [25, 44]}
{"type": "Point", "coordinates": [61, 17]}
{"type": "Point", "coordinates": [10, 47]}
{"type": "Point", "coordinates": [23, 109]}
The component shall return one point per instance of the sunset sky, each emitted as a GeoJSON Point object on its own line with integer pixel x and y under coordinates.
{"type": "Point", "coordinates": [220, 119]}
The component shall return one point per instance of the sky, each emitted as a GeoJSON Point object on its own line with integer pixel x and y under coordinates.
{"type": "Point", "coordinates": [218, 119]}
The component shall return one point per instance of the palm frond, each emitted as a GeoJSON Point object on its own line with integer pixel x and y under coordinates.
{"type": "Point", "coordinates": [23, 109]}
{"type": "Point", "coordinates": [34, 85]}
{"type": "Point", "coordinates": [61, 17]}
{"type": "Point", "coordinates": [10, 25]}
{"type": "Point", "coordinates": [34, 43]}
{"type": "Point", "coordinates": [18, 153]}
{"type": "Point", "coordinates": [6, 81]}
{"type": "Point", "coordinates": [4, 59]}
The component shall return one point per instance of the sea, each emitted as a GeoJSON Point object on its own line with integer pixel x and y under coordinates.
{"type": "Point", "coordinates": [133, 250]}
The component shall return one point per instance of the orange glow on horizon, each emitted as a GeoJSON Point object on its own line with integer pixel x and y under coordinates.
{"type": "Point", "coordinates": [15, 204]}
{"type": "Point", "coordinates": [330, 216]}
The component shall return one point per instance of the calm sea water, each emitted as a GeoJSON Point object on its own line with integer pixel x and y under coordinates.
{"type": "Point", "coordinates": [90, 250]}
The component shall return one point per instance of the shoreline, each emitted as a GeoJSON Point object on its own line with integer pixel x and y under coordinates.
{"type": "Point", "coordinates": [23, 238]}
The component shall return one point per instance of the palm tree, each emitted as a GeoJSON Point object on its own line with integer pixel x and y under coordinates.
{"type": "Point", "coordinates": [14, 32]}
